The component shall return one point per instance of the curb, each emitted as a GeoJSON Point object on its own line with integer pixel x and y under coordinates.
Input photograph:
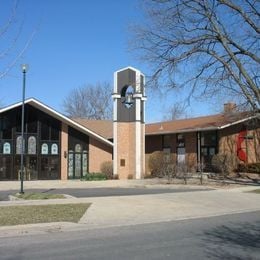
{"type": "Point", "coordinates": [56, 227]}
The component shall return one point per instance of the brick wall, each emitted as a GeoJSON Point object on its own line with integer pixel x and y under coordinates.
{"type": "Point", "coordinates": [126, 150]}
{"type": "Point", "coordinates": [98, 153]}
{"type": "Point", "coordinates": [253, 146]}
{"type": "Point", "coordinates": [228, 141]}
{"type": "Point", "coordinates": [155, 143]}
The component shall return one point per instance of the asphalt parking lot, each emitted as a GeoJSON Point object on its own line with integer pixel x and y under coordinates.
{"type": "Point", "coordinates": [102, 192]}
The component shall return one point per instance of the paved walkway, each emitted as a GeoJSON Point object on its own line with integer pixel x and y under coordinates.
{"type": "Point", "coordinates": [132, 210]}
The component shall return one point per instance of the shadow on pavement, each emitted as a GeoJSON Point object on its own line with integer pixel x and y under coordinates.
{"type": "Point", "coordinates": [242, 241]}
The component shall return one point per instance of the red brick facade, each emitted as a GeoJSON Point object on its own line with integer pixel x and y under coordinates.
{"type": "Point", "coordinates": [228, 142]}
{"type": "Point", "coordinates": [227, 139]}
{"type": "Point", "coordinates": [126, 150]}
{"type": "Point", "coordinates": [234, 133]}
{"type": "Point", "coordinates": [98, 153]}
{"type": "Point", "coordinates": [156, 143]}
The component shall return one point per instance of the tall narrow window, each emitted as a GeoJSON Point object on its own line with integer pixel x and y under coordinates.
{"type": "Point", "coordinates": [180, 140]}
{"type": "Point", "coordinates": [85, 163]}
{"type": "Point", "coordinates": [78, 165]}
{"type": "Point", "coordinates": [32, 145]}
{"type": "Point", "coordinates": [180, 149]}
{"type": "Point", "coordinates": [70, 164]}
{"type": "Point", "coordinates": [19, 145]}
{"type": "Point", "coordinates": [208, 146]}
{"type": "Point", "coordinates": [166, 141]}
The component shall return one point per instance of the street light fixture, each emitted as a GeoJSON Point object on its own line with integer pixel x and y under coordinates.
{"type": "Point", "coordinates": [24, 68]}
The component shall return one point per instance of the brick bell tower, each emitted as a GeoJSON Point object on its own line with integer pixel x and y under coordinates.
{"type": "Point", "coordinates": [129, 124]}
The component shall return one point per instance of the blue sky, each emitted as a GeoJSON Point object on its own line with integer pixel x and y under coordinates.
{"type": "Point", "coordinates": [77, 42]}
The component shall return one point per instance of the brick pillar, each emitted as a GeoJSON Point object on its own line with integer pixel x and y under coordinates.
{"type": "Point", "coordinates": [64, 152]}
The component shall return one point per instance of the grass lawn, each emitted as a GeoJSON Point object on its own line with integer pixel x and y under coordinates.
{"type": "Point", "coordinates": [39, 196]}
{"type": "Point", "coordinates": [256, 191]}
{"type": "Point", "coordinates": [18, 215]}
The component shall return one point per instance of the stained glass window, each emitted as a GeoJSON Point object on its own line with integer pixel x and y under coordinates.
{"type": "Point", "coordinates": [19, 145]}
{"type": "Point", "coordinates": [32, 145]}
{"type": "Point", "coordinates": [7, 148]}
{"type": "Point", "coordinates": [71, 164]}
{"type": "Point", "coordinates": [54, 149]}
{"type": "Point", "coordinates": [78, 148]}
{"type": "Point", "coordinates": [85, 163]}
{"type": "Point", "coordinates": [44, 149]}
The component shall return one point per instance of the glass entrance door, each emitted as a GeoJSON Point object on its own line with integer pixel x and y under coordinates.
{"type": "Point", "coordinates": [31, 168]}
{"type": "Point", "coordinates": [77, 164]}
{"type": "Point", "coordinates": [5, 167]}
{"type": "Point", "coordinates": [49, 168]}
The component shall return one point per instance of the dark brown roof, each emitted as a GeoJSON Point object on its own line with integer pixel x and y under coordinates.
{"type": "Point", "coordinates": [105, 127]}
{"type": "Point", "coordinates": [101, 127]}
{"type": "Point", "coordinates": [194, 124]}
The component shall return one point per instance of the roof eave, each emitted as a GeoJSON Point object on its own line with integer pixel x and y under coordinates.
{"type": "Point", "coordinates": [184, 131]}
{"type": "Point", "coordinates": [59, 116]}
{"type": "Point", "coordinates": [239, 121]}
{"type": "Point", "coordinates": [71, 122]}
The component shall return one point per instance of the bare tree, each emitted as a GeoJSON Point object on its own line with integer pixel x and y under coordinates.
{"type": "Point", "coordinates": [10, 33]}
{"type": "Point", "coordinates": [176, 111]}
{"type": "Point", "coordinates": [209, 46]}
{"type": "Point", "coordinates": [89, 101]}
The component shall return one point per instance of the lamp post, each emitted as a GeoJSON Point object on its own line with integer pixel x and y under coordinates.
{"type": "Point", "coordinates": [24, 68]}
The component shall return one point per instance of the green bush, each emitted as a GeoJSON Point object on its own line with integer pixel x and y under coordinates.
{"type": "Point", "coordinates": [107, 169]}
{"type": "Point", "coordinates": [95, 176]}
{"type": "Point", "coordinates": [249, 168]}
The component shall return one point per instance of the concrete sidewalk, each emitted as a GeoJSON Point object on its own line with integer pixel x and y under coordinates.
{"type": "Point", "coordinates": [58, 184]}
{"type": "Point", "coordinates": [132, 210]}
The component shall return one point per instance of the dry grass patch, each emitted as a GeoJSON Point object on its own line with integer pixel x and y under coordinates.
{"type": "Point", "coordinates": [255, 191]}
{"type": "Point", "coordinates": [39, 196]}
{"type": "Point", "coordinates": [31, 214]}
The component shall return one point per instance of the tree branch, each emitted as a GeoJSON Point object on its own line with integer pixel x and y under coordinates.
{"type": "Point", "coordinates": [241, 12]}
